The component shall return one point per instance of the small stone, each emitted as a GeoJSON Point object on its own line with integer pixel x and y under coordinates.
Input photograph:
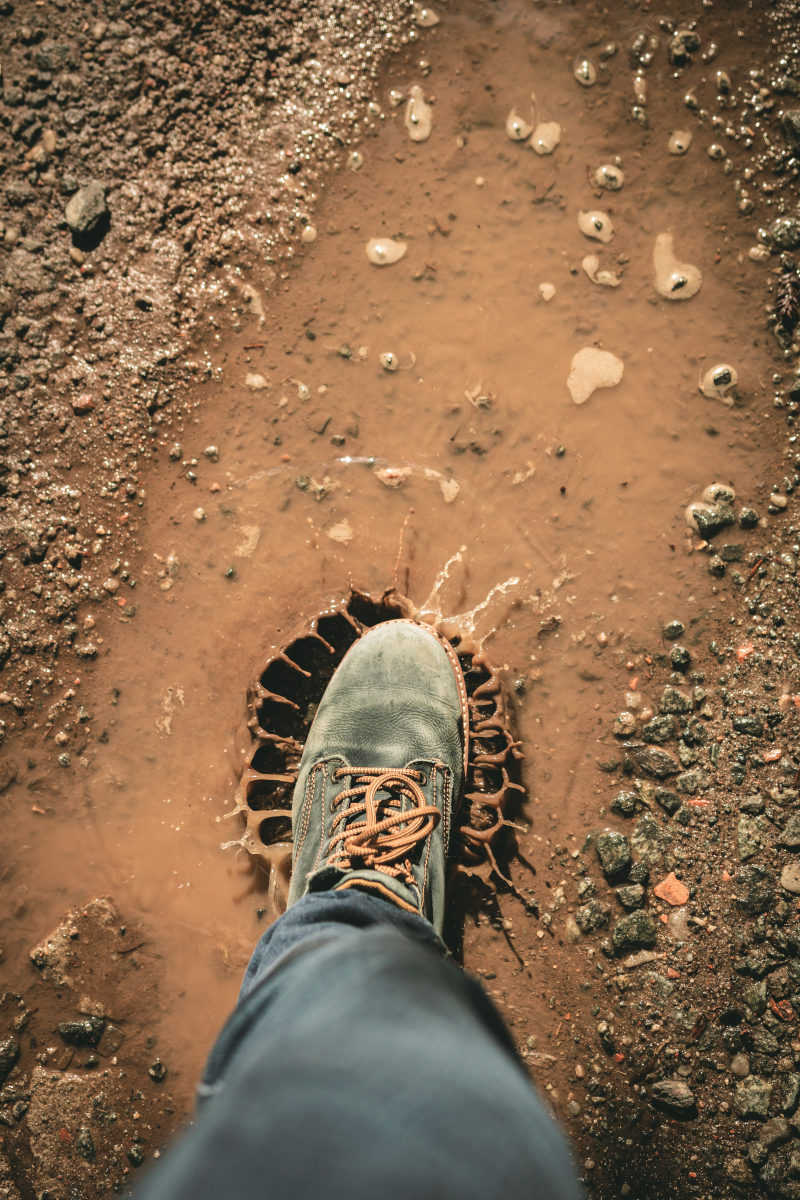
{"type": "Point", "coordinates": [631, 895]}
{"type": "Point", "coordinates": [614, 852]}
{"type": "Point", "coordinates": [625, 803]}
{"type": "Point", "coordinates": [716, 566]}
{"type": "Point", "coordinates": [748, 518]}
{"type": "Point", "coordinates": [136, 1155]}
{"type": "Point", "coordinates": [9, 1053]}
{"type": "Point", "coordinates": [593, 916]}
{"type": "Point", "coordinates": [740, 1065]}
{"type": "Point", "coordinates": [680, 658]}
{"type": "Point", "coordinates": [650, 839]}
{"type": "Point", "coordinates": [776, 1131]}
{"type": "Point", "coordinates": [633, 932]}
{"type": "Point", "coordinates": [83, 404]}
{"type": "Point", "coordinates": [689, 782]}
{"type": "Point", "coordinates": [790, 878]}
{"type": "Point", "coordinates": [777, 502]}
{"type": "Point", "coordinates": [752, 726]}
{"type": "Point", "coordinates": [639, 873]}
{"type": "Point", "coordinates": [736, 1169]}
{"type": "Point", "coordinates": [790, 1093]}
{"type": "Point", "coordinates": [82, 1033]}
{"type": "Point", "coordinates": [673, 1095]}
{"type": "Point", "coordinates": [673, 630]}
{"type": "Point", "coordinates": [673, 700]}
{"type": "Point", "coordinates": [157, 1070]}
{"type": "Point", "coordinates": [790, 834]}
{"type": "Point", "coordinates": [748, 836]}
{"type": "Point", "coordinates": [752, 1097]}
{"type": "Point", "coordinates": [672, 890]}
{"type": "Point", "coordinates": [757, 890]}
{"type": "Point", "coordinates": [652, 761]}
{"type": "Point", "coordinates": [752, 804]}
{"type": "Point", "coordinates": [84, 1144]}
{"type": "Point", "coordinates": [784, 233]}
{"type": "Point", "coordinates": [757, 1153]}
{"type": "Point", "coordinates": [624, 725]}
{"type": "Point", "coordinates": [87, 212]}
{"type": "Point", "coordinates": [669, 801]}
{"type": "Point", "coordinates": [199, 515]}
{"type": "Point", "coordinates": [659, 729]}
{"type": "Point", "coordinates": [790, 124]}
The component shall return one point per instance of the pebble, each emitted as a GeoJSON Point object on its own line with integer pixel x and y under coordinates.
{"type": "Point", "coordinates": [718, 381]}
{"type": "Point", "coordinates": [614, 852]}
{"type": "Point", "coordinates": [752, 1097]}
{"type": "Point", "coordinates": [634, 931]}
{"type": "Point", "coordinates": [672, 1095]}
{"type": "Point", "coordinates": [87, 212]}
{"type": "Point", "coordinates": [545, 137]}
{"type": "Point", "coordinates": [383, 252]}
{"type": "Point", "coordinates": [595, 224]}
{"type": "Point", "coordinates": [679, 142]}
{"type": "Point", "coordinates": [740, 1065]}
{"type": "Point", "coordinates": [790, 878]}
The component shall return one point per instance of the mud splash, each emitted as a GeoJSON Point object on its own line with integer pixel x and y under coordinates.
{"type": "Point", "coordinates": [282, 704]}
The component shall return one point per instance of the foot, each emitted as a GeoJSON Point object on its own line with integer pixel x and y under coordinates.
{"type": "Point", "coordinates": [381, 775]}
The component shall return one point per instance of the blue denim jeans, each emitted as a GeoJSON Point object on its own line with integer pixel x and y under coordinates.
{"type": "Point", "coordinates": [361, 1062]}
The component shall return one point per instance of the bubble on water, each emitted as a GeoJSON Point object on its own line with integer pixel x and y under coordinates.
{"type": "Point", "coordinates": [679, 141]}
{"type": "Point", "coordinates": [419, 115]}
{"type": "Point", "coordinates": [674, 280]}
{"type": "Point", "coordinates": [355, 160]}
{"type": "Point", "coordinates": [385, 251]}
{"type": "Point", "coordinates": [547, 291]}
{"type": "Point", "coordinates": [517, 128]}
{"type": "Point", "coordinates": [389, 361]}
{"type": "Point", "coordinates": [591, 265]}
{"type": "Point", "coordinates": [584, 71]}
{"type": "Point", "coordinates": [596, 224]}
{"type": "Point", "coordinates": [609, 177]}
{"type": "Point", "coordinates": [592, 369]}
{"type": "Point", "coordinates": [718, 381]}
{"type": "Point", "coordinates": [545, 137]}
{"type": "Point", "coordinates": [425, 17]}
{"type": "Point", "coordinates": [309, 234]}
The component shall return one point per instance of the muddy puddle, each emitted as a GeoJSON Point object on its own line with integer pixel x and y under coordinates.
{"type": "Point", "coordinates": [412, 424]}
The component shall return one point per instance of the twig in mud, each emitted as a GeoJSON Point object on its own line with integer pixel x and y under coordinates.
{"type": "Point", "coordinates": [255, 346]}
{"type": "Point", "coordinates": [130, 949]}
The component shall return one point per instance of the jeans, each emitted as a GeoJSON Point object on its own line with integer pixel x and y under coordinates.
{"type": "Point", "coordinates": [361, 1062]}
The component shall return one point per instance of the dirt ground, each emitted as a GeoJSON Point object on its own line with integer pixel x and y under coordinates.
{"type": "Point", "coordinates": [218, 415]}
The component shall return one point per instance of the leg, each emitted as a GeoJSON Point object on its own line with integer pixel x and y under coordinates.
{"type": "Point", "coordinates": [361, 1061]}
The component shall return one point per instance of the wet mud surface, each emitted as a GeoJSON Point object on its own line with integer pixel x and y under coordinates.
{"type": "Point", "coordinates": [548, 397]}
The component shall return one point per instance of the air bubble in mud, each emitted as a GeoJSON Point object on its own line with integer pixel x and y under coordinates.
{"type": "Point", "coordinates": [283, 700]}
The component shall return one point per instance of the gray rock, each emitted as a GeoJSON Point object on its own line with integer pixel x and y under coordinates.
{"type": "Point", "coordinates": [748, 518]}
{"type": "Point", "coordinates": [755, 997]}
{"type": "Point", "coordinates": [9, 1053]}
{"type": "Point", "coordinates": [614, 852]}
{"type": "Point", "coordinates": [740, 1065]}
{"type": "Point", "coordinates": [624, 803]}
{"type": "Point", "coordinates": [650, 840]}
{"type": "Point", "coordinates": [752, 804]}
{"type": "Point", "coordinates": [712, 519]}
{"type": "Point", "coordinates": [673, 1095]}
{"type": "Point", "coordinates": [673, 630]}
{"type": "Point", "coordinates": [752, 726]}
{"type": "Point", "coordinates": [756, 889]}
{"type": "Point", "coordinates": [757, 1153]}
{"type": "Point", "coordinates": [593, 916]}
{"type": "Point", "coordinates": [694, 780]}
{"type": "Point", "coordinates": [752, 1097]}
{"type": "Point", "coordinates": [673, 700]}
{"type": "Point", "coordinates": [790, 1093]}
{"type": "Point", "coordinates": [784, 233]}
{"type": "Point", "coordinates": [790, 124]}
{"type": "Point", "coordinates": [636, 931]}
{"type": "Point", "coordinates": [631, 895]}
{"type": "Point", "coordinates": [790, 835]}
{"type": "Point", "coordinates": [652, 761]}
{"type": "Point", "coordinates": [776, 1131]}
{"type": "Point", "coordinates": [748, 836]}
{"type": "Point", "coordinates": [793, 1164]}
{"type": "Point", "coordinates": [87, 211]}
{"type": "Point", "coordinates": [659, 730]}
{"type": "Point", "coordinates": [669, 801]}
{"type": "Point", "coordinates": [736, 1169]}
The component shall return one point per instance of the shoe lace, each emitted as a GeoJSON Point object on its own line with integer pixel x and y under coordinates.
{"type": "Point", "coordinates": [396, 818]}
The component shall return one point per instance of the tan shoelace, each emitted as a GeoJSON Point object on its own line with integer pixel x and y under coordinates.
{"type": "Point", "coordinates": [389, 832]}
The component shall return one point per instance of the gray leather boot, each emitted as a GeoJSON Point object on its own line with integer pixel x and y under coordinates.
{"type": "Point", "coordinates": [382, 772]}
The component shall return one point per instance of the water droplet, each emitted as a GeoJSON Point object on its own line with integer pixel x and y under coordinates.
{"type": "Point", "coordinates": [517, 128]}
{"type": "Point", "coordinates": [309, 234]}
{"type": "Point", "coordinates": [545, 137]}
{"type": "Point", "coordinates": [419, 115]}
{"type": "Point", "coordinates": [388, 361]}
{"type": "Point", "coordinates": [679, 141]}
{"type": "Point", "coordinates": [718, 381]}
{"type": "Point", "coordinates": [585, 72]}
{"type": "Point", "coordinates": [674, 280]}
{"type": "Point", "coordinates": [385, 251]}
{"type": "Point", "coordinates": [596, 224]}
{"type": "Point", "coordinates": [609, 177]}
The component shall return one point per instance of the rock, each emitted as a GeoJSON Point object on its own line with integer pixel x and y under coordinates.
{"type": "Point", "coordinates": [86, 212]}
{"type": "Point", "coordinates": [748, 836]}
{"type": "Point", "coordinates": [673, 700]}
{"type": "Point", "coordinates": [593, 916]}
{"type": "Point", "coordinates": [652, 761]}
{"type": "Point", "coordinates": [755, 997]}
{"type": "Point", "coordinates": [790, 1093]}
{"type": "Point", "coordinates": [672, 630]}
{"type": "Point", "coordinates": [625, 803]}
{"type": "Point", "coordinates": [635, 931]}
{"type": "Point", "coordinates": [756, 889]}
{"type": "Point", "coordinates": [752, 804]}
{"type": "Point", "coordinates": [757, 1153]}
{"type": "Point", "coordinates": [736, 1169]}
{"type": "Point", "coordinates": [732, 552]}
{"type": "Point", "coordinates": [711, 519]}
{"type": "Point", "coordinates": [614, 852]}
{"type": "Point", "coordinates": [650, 840]}
{"type": "Point", "coordinates": [672, 890]}
{"type": "Point", "coordinates": [84, 1144]}
{"type": "Point", "coordinates": [673, 1096]}
{"type": "Point", "coordinates": [8, 773]}
{"type": "Point", "coordinates": [680, 658]}
{"type": "Point", "coordinates": [776, 1131]}
{"type": "Point", "coordinates": [748, 518]}
{"type": "Point", "coordinates": [740, 1065]}
{"type": "Point", "coordinates": [790, 878]}
{"type": "Point", "coordinates": [9, 1053]}
{"type": "Point", "coordinates": [157, 1071]}
{"type": "Point", "coordinates": [82, 1033]}
{"type": "Point", "coordinates": [669, 801]}
{"type": "Point", "coordinates": [752, 726]}
{"type": "Point", "coordinates": [790, 124]}
{"type": "Point", "coordinates": [784, 233]}
{"type": "Point", "coordinates": [659, 729]}
{"type": "Point", "coordinates": [639, 873]}
{"type": "Point", "coordinates": [694, 780]}
{"type": "Point", "coordinates": [752, 1097]}
{"type": "Point", "coordinates": [624, 725]}
{"type": "Point", "coordinates": [790, 834]}
{"type": "Point", "coordinates": [631, 895]}
{"type": "Point", "coordinates": [83, 404]}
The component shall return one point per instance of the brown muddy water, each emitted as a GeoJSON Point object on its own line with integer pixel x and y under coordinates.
{"type": "Point", "coordinates": [467, 477]}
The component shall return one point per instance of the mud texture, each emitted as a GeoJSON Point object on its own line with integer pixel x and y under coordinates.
{"type": "Point", "coordinates": [219, 414]}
